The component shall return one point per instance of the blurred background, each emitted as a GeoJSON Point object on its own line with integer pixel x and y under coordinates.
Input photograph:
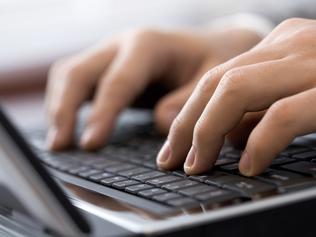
{"type": "Point", "coordinates": [35, 33]}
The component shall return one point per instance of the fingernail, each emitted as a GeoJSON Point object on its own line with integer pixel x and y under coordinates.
{"type": "Point", "coordinates": [189, 161]}
{"type": "Point", "coordinates": [51, 138]}
{"type": "Point", "coordinates": [245, 163]}
{"type": "Point", "coordinates": [164, 153]}
{"type": "Point", "coordinates": [87, 136]}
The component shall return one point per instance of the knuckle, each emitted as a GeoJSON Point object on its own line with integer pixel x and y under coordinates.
{"type": "Point", "coordinates": [66, 69]}
{"type": "Point", "coordinates": [281, 113]}
{"type": "Point", "coordinates": [231, 83]}
{"type": "Point", "coordinates": [291, 22]}
{"type": "Point", "coordinates": [176, 127]}
{"type": "Point", "coordinates": [200, 134]}
{"type": "Point", "coordinates": [209, 80]}
{"type": "Point", "coordinates": [143, 36]}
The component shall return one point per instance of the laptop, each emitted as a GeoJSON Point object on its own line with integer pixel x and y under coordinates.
{"type": "Point", "coordinates": [119, 191]}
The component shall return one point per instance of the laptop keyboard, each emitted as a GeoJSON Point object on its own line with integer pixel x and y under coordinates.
{"type": "Point", "coordinates": [129, 165]}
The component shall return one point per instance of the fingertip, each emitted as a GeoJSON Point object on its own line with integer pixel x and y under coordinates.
{"type": "Point", "coordinates": [56, 140]}
{"type": "Point", "coordinates": [92, 139]}
{"type": "Point", "coordinates": [245, 164]}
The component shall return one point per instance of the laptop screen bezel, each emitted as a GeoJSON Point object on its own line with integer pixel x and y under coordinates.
{"type": "Point", "coordinates": [45, 177]}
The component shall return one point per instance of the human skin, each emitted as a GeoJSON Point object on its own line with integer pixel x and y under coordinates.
{"type": "Point", "coordinates": [272, 85]}
{"type": "Point", "coordinates": [118, 70]}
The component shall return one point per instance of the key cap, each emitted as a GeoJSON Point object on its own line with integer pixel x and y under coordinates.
{"type": "Point", "coordinates": [249, 187]}
{"type": "Point", "coordinates": [180, 173]}
{"type": "Point", "coordinates": [119, 168]}
{"type": "Point", "coordinates": [101, 176]}
{"type": "Point", "coordinates": [224, 161]}
{"type": "Point", "coordinates": [90, 172]}
{"type": "Point", "coordinates": [138, 187]}
{"type": "Point", "coordinates": [303, 167]}
{"type": "Point", "coordinates": [79, 170]}
{"type": "Point", "coordinates": [219, 178]}
{"type": "Point", "coordinates": [201, 188]}
{"type": "Point", "coordinates": [281, 160]}
{"type": "Point", "coordinates": [217, 196]}
{"type": "Point", "coordinates": [132, 172]}
{"type": "Point", "coordinates": [283, 179]}
{"type": "Point", "coordinates": [305, 156]}
{"type": "Point", "coordinates": [199, 178]}
{"type": "Point", "coordinates": [111, 180]}
{"type": "Point", "coordinates": [151, 192]}
{"type": "Point", "coordinates": [182, 202]}
{"type": "Point", "coordinates": [163, 180]}
{"type": "Point", "coordinates": [180, 184]}
{"type": "Point", "coordinates": [124, 184]}
{"type": "Point", "coordinates": [149, 175]}
{"type": "Point", "coordinates": [166, 196]}
{"type": "Point", "coordinates": [230, 168]}
{"type": "Point", "coordinates": [294, 150]}
{"type": "Point", "coordinates": [150, 164]}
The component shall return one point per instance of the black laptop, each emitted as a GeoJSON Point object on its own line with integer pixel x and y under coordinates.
{"type": "Point", "coordinates": [120, 187]}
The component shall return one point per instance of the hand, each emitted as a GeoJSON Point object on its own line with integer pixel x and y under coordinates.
{"type": "Point", "coordinates": [265, 96]}
{"type": "Point", "coordinates": [120, 69]}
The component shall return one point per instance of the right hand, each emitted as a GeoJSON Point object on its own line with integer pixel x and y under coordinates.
{"type": "Point", "coordinates": [120, 69]}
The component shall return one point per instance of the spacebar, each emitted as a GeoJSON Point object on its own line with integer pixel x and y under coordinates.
{"type": "Point", "coordinates": [113, 193]}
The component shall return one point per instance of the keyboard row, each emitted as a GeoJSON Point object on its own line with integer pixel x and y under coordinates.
{"type": "Point", "coordinates": [137, 174]}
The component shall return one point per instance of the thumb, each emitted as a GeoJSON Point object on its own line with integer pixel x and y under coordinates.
{"type": "Point", "coordinates": [170, 105]}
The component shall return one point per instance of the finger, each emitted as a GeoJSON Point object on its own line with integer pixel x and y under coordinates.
{"type": "Point", "coordinates": [285, 119]}
{"type": "Point", "coordinates": [239, 135]}
{"type": "Point", "coordinates": [127, 77]}
{"type": "Point", "coordinates": [170, 105]}
{"type": "Point", "coordinates": [69, 85]}
{"type": "Point", "coordinates": [245, 89]}
{"type": "Point", "coordinates": [173, 153]}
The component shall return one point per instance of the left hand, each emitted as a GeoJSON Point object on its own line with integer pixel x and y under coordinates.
{"type": "Point", "coordinates": [272, 84]}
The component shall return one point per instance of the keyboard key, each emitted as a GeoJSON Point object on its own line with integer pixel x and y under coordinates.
{"type": "Point", "coordinates": [149, 175]}
{"type": "Point", "coordinates": [79, 170]}
{"type": "Point", "coordinates": [163, 180]}
{"type": "Point", "coordinates": [180, 184]}
{"type": "Point", "coordinates": [180, 173]}
{"type": "Point", "coordinates": [219, 178]}
{"type": "Point", "coordinates": [151, 192]}
{"type": "Point", "coordinates": [303, 167]}
{"type": "Point", "coordinates": [283, 179]}
{"type": "Point", "coordinates": [150, 164]}
{"type": "Point", "coordinates": [111, 180]}
{"type": "Point", "coordinates": [230, 168]}
{"type": "Point", "coordinates": [104, 164]}
{"type": "Point", "coordinates": [90, 172]}
{"type": "Point", "coordinates": [132, 172]}
{"type": "Point", "coordinates": [217, 196]}
{"type": "Point", "coordinates": [250, 187]}
{"type": "Point", "coordinates": [119, 168]}
{"type": "Point", "coordinates": [182, 202]}
{"type": "Point", "coordinates": [290, 151]}
{"type": "Point", "coordinates": [281, 160]}
{"type": "Point", "coordinates": [201, 188]}
{"type": "Point", "coordinates": [124, 184]}
{"type": "Point", "coordinates": [99, 177]}
{"type": "Point", "coordinates": [166, 196]}
{"type": "Point", "coordinates": [305, 156]}
{"type": "Point", "coordinates": [199, 178]}
{"type": "Point", "coordinates": [138, 187]}
{"type": "Point", "coordinates": [224, 161]}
